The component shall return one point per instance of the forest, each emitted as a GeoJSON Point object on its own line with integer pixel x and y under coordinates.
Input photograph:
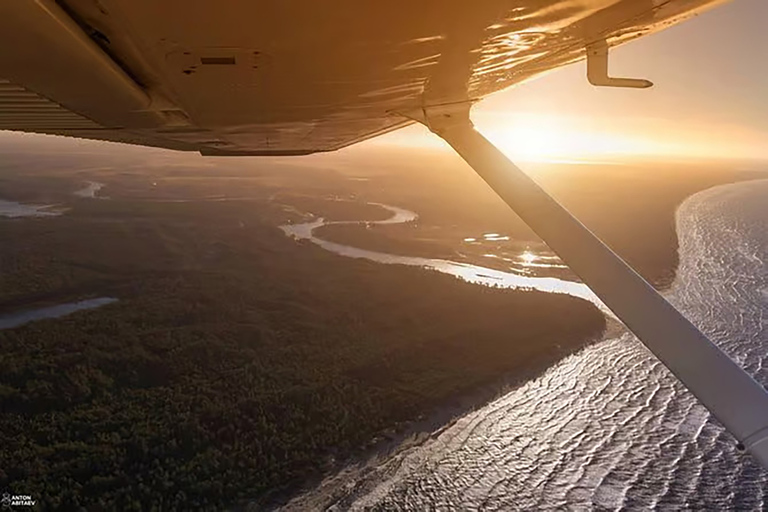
{"type": "Point", "coordinates": [238, 365]}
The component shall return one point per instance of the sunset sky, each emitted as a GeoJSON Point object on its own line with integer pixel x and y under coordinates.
{"type": "Point", "coordinates": [710, 98]}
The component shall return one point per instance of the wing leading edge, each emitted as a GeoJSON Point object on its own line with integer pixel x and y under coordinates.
{"type": "Point", "coordinates": [283, 77]}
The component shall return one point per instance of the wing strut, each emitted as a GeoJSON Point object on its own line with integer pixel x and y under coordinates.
{"type": "Point", "coordinates": [731, 395]}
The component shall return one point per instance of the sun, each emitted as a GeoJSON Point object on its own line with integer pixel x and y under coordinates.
{"type": "Point", "coordinates": [549, 137]}
{"type": "Point", "coordinates": [531, 136]}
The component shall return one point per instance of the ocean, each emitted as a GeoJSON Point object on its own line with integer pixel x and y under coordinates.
{"type": "Point", "coordinates": [608, 428]}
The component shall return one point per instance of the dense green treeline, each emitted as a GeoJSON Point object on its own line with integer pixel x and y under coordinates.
{"type": "Point", "coordinates": [238, 364]}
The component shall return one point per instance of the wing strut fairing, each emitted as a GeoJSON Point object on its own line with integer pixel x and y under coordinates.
{"type": "Point", "coordinates": [733, 397]}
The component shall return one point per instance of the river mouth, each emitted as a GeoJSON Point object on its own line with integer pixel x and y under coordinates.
{"type": "Point", "coordinates": [609, 427]}
{"type": "Point", "coordinates": [471, 273]}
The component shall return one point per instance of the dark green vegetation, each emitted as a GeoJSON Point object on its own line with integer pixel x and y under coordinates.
{"type": "Point", "coordinates": [238, 363]}
{"type": "Point", "coordinates": [630, 205]}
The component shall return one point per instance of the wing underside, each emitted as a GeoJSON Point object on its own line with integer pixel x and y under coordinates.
{"type": "Point", "coordinates": [283, 77]}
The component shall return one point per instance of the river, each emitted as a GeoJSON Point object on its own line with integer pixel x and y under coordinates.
{"type": "Point", "coordinates": [471, 273]}
{"type": "Point", "coordinates": [608, 428]}
{"type": "Point", "coordinates": [12, 320]}
{"type": "Point", "coordinates": [12, 209]}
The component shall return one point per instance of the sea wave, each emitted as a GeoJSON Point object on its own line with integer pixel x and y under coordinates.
{"type": "Point", "coordinates": [608, 428]}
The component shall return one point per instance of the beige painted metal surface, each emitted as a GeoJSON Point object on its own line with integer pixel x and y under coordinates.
{"type": "Point", "coordinates": [285, 76]}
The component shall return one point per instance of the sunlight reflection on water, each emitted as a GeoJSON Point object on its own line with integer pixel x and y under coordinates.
{"type": "Point", "coordinates": [470, 273]}
{"type": "Point", "coordinates": [608, 428]}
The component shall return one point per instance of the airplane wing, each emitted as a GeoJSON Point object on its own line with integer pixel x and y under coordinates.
{"type": "Point", "coordinates": [283, 77]}
{"type": "Point", "coordinates": [287, 77]}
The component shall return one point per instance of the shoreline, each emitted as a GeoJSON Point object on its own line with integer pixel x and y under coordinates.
{"type": "Point", "coordinates": [205, 305]}
{"type": "Point", "coordinates": [194, 265]}
{"type": "Point", "coordinates": [412, 433]}
{"type": "Point", "coordinates": [631, 209]}
{"type": "Point", "coordinates": [325, 490]}
{"type": "Point", "coordinates": [409, 434]}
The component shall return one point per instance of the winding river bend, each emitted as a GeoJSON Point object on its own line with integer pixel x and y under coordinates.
{"type": "Point", "coordinates": [608, 428]}
{"type": "Point", "coordinates": [471, 273]}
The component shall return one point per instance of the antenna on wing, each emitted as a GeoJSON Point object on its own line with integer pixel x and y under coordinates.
{"type": "Point", "coordinates": [597, 69]}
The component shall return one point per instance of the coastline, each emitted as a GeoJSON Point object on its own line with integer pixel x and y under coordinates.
{"type": "Point", "coordinates": [333, 487]}
{"type": "Point", "coordinates": [236, 258]}
{"type": "Point", "coordinates": [323, 490]}
{"type": "Point", "coordinates": [611, 428]}
{"type": "Point", "coordinates": [412, 433]}
{"type": "Point", "coordinates": [631, 208]}
{"type": "Point", "coordinates": [201, 326]}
